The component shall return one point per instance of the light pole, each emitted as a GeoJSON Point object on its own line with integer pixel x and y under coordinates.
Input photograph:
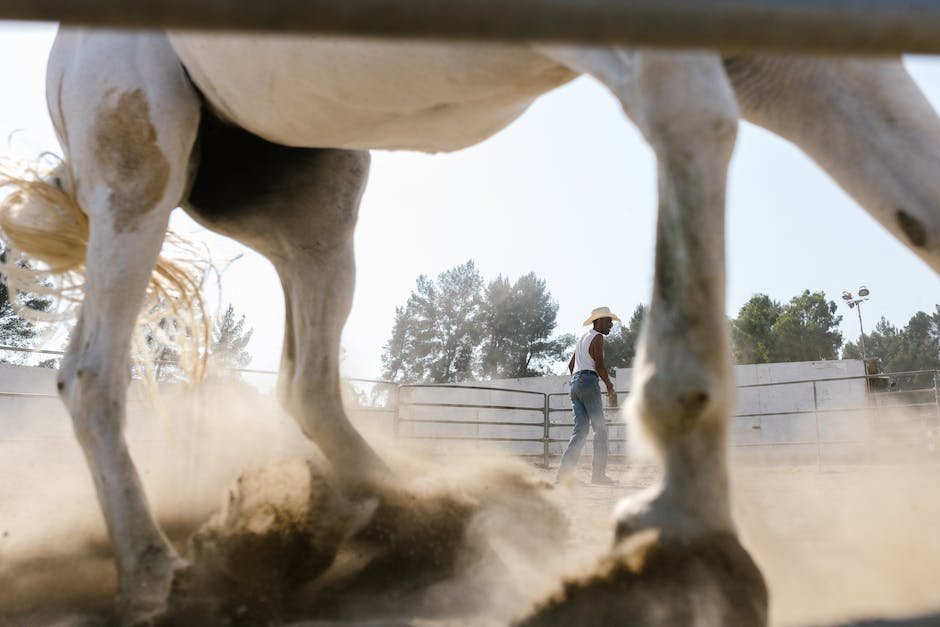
{"type": "Point", "coordinates": [856, 302]}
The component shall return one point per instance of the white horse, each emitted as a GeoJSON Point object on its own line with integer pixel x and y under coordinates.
{"type": "Point", "coordinates": [263, 139]}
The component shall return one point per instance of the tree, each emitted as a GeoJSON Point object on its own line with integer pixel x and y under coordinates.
{"type": "Point", "coordinates": [436, 334]}
{"type": "Point", "coordinates": [517, 323]}
{"type": "Point", "coordinates": [752, 332]}
{"type": "Point", "coordinates": [14, 329]}
{"type": "Point", "coordinates": [915, 347]}
{"type": "Point", "coordinates": [620, 346]}
{"type": "Point", "coordinates": [808, 329]}
{"type": "Point", "coordinates": [159, 342]}
{"type": "Point", "coordinates": [228, 348]}
{"type": "Point", "coordinates": [451, 329]}
{"type": "Point", "coordinates": [805, 329]}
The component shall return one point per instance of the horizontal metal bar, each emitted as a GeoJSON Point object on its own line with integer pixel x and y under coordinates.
{"type": "Point", "coordinates": [560, 441]}
{"type": "Point", "coordinates": [555, 410]}
{"type": "Point", "coordinates": [843, 26]}
{"type": "Point", "coordinates": [859, 377]}
{"type": "Point", "coordinates": [453, 386]}
{"type": "Point", "coordinates": [27, 395]}
{"type": "Point", "coordinates": [470, 438]}
{"type": "Point", "coordinates": [837, 410]}
{"type": "Point", "coordinates": [471, 422]}
{"type": "Point", "coordinates": [558, 425]}
{"type": "Point", "coordinates": [810, 443]}
{"type": "Point", "coordinates": [472, 406]}
{"type": "Point", "coordinates": [22, 349]}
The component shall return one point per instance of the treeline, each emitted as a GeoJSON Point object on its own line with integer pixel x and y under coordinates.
{"type": "Point", "coordinates": [806, 329]}
{"type": "Point", "coordinates": [456, 327]}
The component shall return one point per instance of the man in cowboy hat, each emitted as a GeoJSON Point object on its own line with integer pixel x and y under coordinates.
{"type": "Point", "coordinates": [587, 367]}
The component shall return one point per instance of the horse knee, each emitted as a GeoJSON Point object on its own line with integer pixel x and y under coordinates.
{"type": "Point", "coordinates": [93, 400]}
{"type": "Point", "coordinates": [674, 401]}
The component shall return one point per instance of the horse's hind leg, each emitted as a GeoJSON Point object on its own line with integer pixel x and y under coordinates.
{"type": "Point", "coordinates": [866, 122]}
{"type": "Point", "coordinates": [128, 129]}
{"type": "Point", "coordinates": [297, 207]}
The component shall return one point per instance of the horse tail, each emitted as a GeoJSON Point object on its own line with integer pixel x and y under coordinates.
{"type": "Point", "coordinates": [44, 233]}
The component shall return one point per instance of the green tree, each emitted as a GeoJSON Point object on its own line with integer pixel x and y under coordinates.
{"type": "Point", "coordinates": [805, 329]}
{"type": "Point", "coordinates": [517, 322]}
{"type": "Point", "coordinates": [14, 329]}
{"type": "Point", "coordinates": [808, 329]}
{"type": "Point", "coordinates": [752, 332]}
{"type": "Point", "coordinates": [452, 329]}
{"type": "Point", "coordinates": [436, 334]}
{"type": "Point", "coordinates": [915, 347]}
{"type": "Point", "coordinates": [228, 350]}
{"type": "Point", "coordinates": [162, 337]}
{"type": "Point", "coordinates": [620, 346]}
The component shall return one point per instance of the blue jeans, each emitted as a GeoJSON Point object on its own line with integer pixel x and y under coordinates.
{"type": "Point", "coordinates": [588, 413]}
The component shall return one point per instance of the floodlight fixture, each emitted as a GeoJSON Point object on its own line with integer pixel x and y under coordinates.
{"type": "Point", "coordinates": [852, 301]}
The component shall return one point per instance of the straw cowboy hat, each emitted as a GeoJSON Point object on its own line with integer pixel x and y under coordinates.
{"type": "Point", "coordinates": [601, 312]}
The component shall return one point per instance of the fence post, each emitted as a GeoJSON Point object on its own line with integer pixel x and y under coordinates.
{"type": "Point", "coordinates": [546, 435]}
{"type": "Point", "coordinates": [934, 432]}
{"type": "Point", "coordinates": [816, 417]}
{"type": "Point", "coordinates": [396, 416]}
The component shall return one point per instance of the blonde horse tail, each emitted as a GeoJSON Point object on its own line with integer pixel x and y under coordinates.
{"type": "Point", "coordinates": [44, 233]}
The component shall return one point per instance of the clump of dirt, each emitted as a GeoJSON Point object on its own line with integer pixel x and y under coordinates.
{"type": "Point", "coordinates": [291, 543]}
{"type": "Point", "coordinates": [281, 525]}
{"type": "Point", "coordinates": [651, 581]}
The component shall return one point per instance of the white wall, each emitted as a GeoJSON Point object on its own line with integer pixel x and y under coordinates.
{"type": "Point", "coordinates": [774, 419]}
{"type": "Point", "coordinates": [783, 396]}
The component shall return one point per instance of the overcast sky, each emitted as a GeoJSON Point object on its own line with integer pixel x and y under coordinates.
{"type": "Point", "coordinates": [567, 192]}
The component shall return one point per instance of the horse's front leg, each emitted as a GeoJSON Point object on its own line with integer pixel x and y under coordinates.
{"type": "Point", "coordinates": [683, 389]}
{"type": "Point", "coordinates": [127, 117]}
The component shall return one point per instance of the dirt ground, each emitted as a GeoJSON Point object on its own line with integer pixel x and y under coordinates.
{"type": "Point", "coordinates": [836, 544]}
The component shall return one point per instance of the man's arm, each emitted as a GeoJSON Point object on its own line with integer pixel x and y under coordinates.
{"type": "Point", "coordinates": [597, 352]}
{"type": "Point", "coordinates": [571, 364]}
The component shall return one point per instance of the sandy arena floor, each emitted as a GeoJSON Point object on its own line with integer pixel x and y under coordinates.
{"type": "Point", "coordinates": [836, 544]}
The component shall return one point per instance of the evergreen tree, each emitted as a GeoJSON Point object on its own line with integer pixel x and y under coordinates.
{"type": "Point", "coordinates": [805, 329]}
{"type": "Point", "coordinates": [14, 329]}
{"type": "Point", "coordinates": [915, 347]}
{"type": "Point", "coordinates": [620, 346]}
{"type": "Point", "coordinates": [452, 329]}
{"type": "Point", "coordinates": [517, 323]}
{"type": "Point", "coordinates": [228, 349]}
{"type": "Point", "coordinates": [436, 334]}
{"type": "Point", "coordinates": [752, 332]}
{"type": "Point", "coordinates": [808, 329]}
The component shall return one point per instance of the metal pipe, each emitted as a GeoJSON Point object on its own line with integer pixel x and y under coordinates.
{"type": "Point", "coordinates": [546, 431]}
{"type": "Point", "coordinates": [838, 26]}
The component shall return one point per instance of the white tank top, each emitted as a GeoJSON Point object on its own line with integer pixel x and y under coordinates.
{"type": "Point", "coordinates": [582, 354]}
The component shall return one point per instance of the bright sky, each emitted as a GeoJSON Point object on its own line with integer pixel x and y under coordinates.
{"type": "Point", "coordinates": [568, 191]}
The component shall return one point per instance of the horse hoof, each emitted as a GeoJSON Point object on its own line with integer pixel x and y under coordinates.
{"type": "Point", "coordinates": [657, 582]}
{"type": "Point", "coordinates": [144, 599]}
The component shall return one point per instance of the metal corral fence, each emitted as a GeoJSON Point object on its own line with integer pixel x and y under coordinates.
{"type": "Point", "coordinates": [801, 421]}
{"type": "Point", "coordinates": [811, 421]}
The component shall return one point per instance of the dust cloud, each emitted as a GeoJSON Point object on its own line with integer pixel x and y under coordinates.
{"type": "Point", "coordinates": [843, 543]}
{"type": "Point", "coordinates": [461, 538]}
{"type": "Point", "coordinates": [272, 534]}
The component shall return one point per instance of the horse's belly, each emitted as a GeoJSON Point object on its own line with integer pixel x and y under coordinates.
{"type": "Point", "coordinates": [317, 92]}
